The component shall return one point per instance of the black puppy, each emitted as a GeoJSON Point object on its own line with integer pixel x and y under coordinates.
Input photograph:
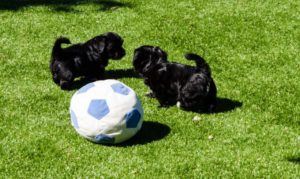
{"type": "Point", "coordinates": [87, 59]}
{"type": "Point", "coordinates": [191, 87]}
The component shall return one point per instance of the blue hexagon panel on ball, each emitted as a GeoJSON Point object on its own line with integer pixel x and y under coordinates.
{"type": "Point", "coordinates": [133, 118]}
{"type": "Point", "coordinates": [98, 108]}
{"type": "Point", "coordinates": [119, 88]}
{"type": "Point", "coordinates": [106, 112]}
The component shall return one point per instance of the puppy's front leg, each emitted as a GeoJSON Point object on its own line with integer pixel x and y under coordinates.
{"type": "Point", "coordinates": [163, 103]}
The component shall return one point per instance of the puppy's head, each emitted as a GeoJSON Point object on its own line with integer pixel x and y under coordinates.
{"type": "Point", "coordinates": [146, 57]}
{"type": "Point", "coordinates": [113, 46]}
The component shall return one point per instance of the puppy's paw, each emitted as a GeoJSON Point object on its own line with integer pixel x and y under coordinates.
{"type": "Point", "coordinates": [150, 94]}
{"type": "Point", "coordinates": [178, 104]}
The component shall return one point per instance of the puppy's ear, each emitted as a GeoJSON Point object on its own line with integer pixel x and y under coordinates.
{"type": "Point", "coordinates": [101, 46]}
{"type": "Point", "coordinates": [162, 54]}
{"type": "Point", "coordinates": [99, 43]}
{"type": "Point", "coordinates": [137, 57]}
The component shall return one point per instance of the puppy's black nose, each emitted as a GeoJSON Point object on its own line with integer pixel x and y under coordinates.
{"type": "Point", "coordinates": [55, 79]}
{"type": "Point", "coordinates": [119, 54]}
{"type": "Point", "coordinates": [123, 53]}
{"type": "Point", "coordinates": [65, 85]}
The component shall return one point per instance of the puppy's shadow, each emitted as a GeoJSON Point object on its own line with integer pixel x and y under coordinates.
{"type": "Point", "coordinates": [109, 74]}
{"type": "Point", "coordinates": [120, 73]}
{"type": "Point", "coordinates": [78, 83]}
{"type": "Point", "coordinates": [294, 159]}
{"type": "Point", "coordinates": [225, 105]}
{"type": "Point", "coordinates": [150, 132]}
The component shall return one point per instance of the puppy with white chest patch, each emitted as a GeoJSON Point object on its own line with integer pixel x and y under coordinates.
{"type": "Point", "coordinates": [87, 59]}
{"type": "Point", "coordinates": [192, 88]}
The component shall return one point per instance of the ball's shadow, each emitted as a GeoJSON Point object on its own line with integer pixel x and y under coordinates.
{"type": "Point", "coordinates": [150, 132]}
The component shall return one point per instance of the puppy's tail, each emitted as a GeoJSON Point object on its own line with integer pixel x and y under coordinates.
{"type": "Point", "coordinates": [200, 62]}
{"type": "Point", "coordinates": [58, 42]}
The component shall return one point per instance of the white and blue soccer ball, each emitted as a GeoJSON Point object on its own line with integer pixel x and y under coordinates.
{"type": "Point", "coordinates": [106, 112]}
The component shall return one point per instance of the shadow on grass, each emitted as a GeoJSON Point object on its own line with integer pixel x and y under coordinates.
{"type": "Point", "coordinates": [295, 159]}
{"type": "Point", "coordinates": [109, 74]}
{"type": "Point", "coordinates": [61, 5]}
{"type": "Point", "coordinates": [76, 84]}
{"type": "Point", "coordinates": [225, 105]}
{"type": "Point", "coordinates": [120, 73]}
{"type": "Point", "coordinates": [150, 132]}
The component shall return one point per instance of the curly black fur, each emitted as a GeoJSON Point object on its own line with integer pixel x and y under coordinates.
{"type": "Point", "coordinates": [87, 59]}
{"type": "Point", "coordinates": [192, 87]}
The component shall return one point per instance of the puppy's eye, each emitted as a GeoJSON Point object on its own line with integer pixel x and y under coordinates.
{"type": "Point", "coordinates": [55, 71]}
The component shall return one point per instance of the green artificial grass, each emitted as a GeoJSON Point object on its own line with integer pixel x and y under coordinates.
{"type": "Point", "coordinates": [251, 46]}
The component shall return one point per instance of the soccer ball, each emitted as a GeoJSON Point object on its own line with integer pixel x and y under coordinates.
{"type": "Point", "coordinates": [106, 112]}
